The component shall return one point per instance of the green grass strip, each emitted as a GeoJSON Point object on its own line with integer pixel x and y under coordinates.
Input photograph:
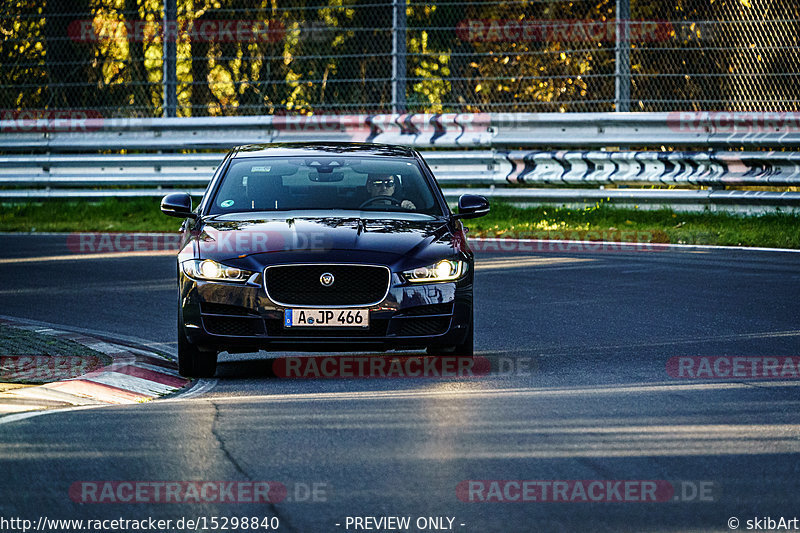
{"type": "Point", "coordinates": [601, 221]}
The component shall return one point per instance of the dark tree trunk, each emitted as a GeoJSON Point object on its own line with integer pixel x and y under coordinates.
{"type": "Point", "coordinates": [72, 77]}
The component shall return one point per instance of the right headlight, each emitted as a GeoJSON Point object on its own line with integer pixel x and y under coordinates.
{"type": "Point", "coordinates": [209, 270]}
{"type": "Point", "coordinates": [444, 270]}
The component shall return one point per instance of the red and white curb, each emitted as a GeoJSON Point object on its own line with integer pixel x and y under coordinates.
{"type": "Point", "coordinates": [134, 376]}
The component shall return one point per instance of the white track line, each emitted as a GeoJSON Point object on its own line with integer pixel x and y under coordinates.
{"type": "Point", "coordinates": [201, 387]}
{"type": "Point", "coordinates": [650, 246]}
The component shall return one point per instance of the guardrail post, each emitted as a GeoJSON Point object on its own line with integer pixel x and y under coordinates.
{"type": "Point", "coordinates": [399, 56]}
{"type": "Point", "coordinates": [622, 96]}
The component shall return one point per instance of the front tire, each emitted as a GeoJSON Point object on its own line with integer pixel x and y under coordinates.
{"type": "Point", "coordinates": [465, 349]}
{"type": "Point", "coordinates": [193, 362]}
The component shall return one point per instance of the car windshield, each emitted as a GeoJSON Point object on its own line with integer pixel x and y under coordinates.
{"type": "Point", "coordinates": [328, 182]}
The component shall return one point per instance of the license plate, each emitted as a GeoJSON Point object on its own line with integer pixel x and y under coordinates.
{"type": "Point", "coordinates": [344, 318]}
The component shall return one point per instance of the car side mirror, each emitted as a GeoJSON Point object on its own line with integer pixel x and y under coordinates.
{"type": "Point", "coordinates": [178, 204]}
{"type": "Point", "coordinates": [472, 206]}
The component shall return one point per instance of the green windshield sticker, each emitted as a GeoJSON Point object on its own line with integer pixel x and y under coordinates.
{"type": "Point", "coordinates": [227, 203]}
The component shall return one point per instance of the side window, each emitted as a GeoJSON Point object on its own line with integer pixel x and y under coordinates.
{"type": "Point", "coordinates": [232, 195]}
{"type": "Point", "coordinates": [414, 188]}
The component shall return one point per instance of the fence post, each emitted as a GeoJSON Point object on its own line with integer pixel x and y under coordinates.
{"type": "Point", "coordinates": [622, 76]}
{"type": "Point", "coordinates": [170, 74]}
{"type": "Point", "coordinates": [399, 56]}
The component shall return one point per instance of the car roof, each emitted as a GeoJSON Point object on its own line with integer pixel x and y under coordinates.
{"type": "Point", "coordinates": [321, 149]}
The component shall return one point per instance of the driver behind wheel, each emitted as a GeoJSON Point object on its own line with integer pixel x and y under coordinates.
{"type": "Point", "coordinates": [384, 185]}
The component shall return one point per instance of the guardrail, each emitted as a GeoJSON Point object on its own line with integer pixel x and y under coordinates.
{"type": "Point", "coordinates": [448, 130]}
{"type": "Point", "coordinates": [60, 158]}
{"type": "Point", "coordinates": [475, 167]}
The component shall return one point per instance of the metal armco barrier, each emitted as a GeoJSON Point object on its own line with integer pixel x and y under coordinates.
{"type": "Point", "coordinates": [473, 167]}
{"type": "Point", "coordinates": [716, 169]}
{"type": "Point", "coordinates": [500, 130]}
{"type": "Point", "coordinates": [61, 158]}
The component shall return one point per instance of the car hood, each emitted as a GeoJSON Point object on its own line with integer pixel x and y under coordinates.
{"type": "Point", "coordinates": [288, 237]}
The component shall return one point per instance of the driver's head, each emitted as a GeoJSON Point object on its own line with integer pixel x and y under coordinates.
{"type": "Point", "coordinates": [380, 184]}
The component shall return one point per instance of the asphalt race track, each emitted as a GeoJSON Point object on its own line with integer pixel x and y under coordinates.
{"type": "Point", "coordinates": [579, 390]}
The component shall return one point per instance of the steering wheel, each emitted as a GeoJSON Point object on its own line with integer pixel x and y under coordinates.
{"type": "Point", "coordinates": [391, 199]}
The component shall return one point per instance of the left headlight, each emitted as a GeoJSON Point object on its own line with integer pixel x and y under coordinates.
{"type": "Point", "coordinates": [206, 269]}
{"type": "Point", "coordinates": [445, 270]}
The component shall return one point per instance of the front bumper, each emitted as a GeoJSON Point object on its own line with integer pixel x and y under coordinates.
{"type": "Point", "coordinates": [241, 318]}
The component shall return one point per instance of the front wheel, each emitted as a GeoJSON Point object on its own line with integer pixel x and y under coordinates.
{"type": "Point", "coordinates": [465, 349]}
{"type": "Point", "coordinates": [193, 362]}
